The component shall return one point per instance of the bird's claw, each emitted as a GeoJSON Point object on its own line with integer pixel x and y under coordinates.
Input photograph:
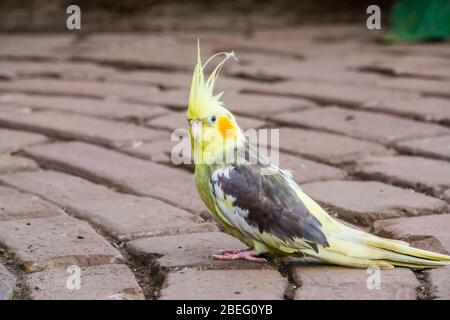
{"type": "Point", "coordinates": [234, 254]}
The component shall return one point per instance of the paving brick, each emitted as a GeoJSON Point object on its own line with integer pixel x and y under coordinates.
{"type": "Point", "coordinates": [367, 97]}
{"type": "Point", "coordinates": [65, 69]}
{"type": "Point", "coordinates": [432, 50]}
{"type": "Point", "coordinates": [125, 172]}
{"type": "Point", "coordinates": [13, 140]}
{"type": "Point", "coordinates": [157, 151]}
{"type": "Point", "coordinates": [233, 284]}
{"type": "Point", "coordinates": [33, 242]}
{"type": "Point", "coordinates": [89, 89]}
{"type": "Point", "coordinates": [305, 171]}
{"type": "Point", "coordinates": [428, 86]}
{"type": "Point", "coordinates": [163, 52]}
{"type": "Point", "coordinates": [10, 164]}
{"type": "Point", "coordinates": [73, 126]}
{"type": "Point", "coordinates": [334, 93]}
{"type": "Point", "coordinates": [173, 80]}
{"type": "Point", "coordinates": [178, 120]}
{"type": "Point", "coordinates": [338, 283]}
{"type": "Point", "coordinates": [260, 71]}
{"type": "Point", "coordinates": [419, 173]}
{"type": "Point", "coordinates": [6, 191]}
{"type": "Point", "coordinates": [262, 106]}
{"type": "Point", "coordinates": [170, 121]}
{"type": "Point", "coordinates": [34, 46]}
{"type": "Point", "coordinates": [435, 147]}
{"type": "Point", "coordinates": [440, 283]}
{"type": "Point", "coordinates": [192, 250]}
{"type": "Point", "coordinates": [376, 127]}
{"type": "Point", "coordinates": [282, 43]}
{"type": "Point", "coordinates": [106, 282]}
{"type": "Point", "coordinates": [108, 109]}
{"type": "Point", "coordinates": [447, 195]}
{"type": "Point", "coordinates": [175, 99]}
{"type": "Point", "coordinates": [308, 70]}
{"type": "Point", "coordinates": [257, 72]}
{"type": "Point", "coordinates": [422, 108]}
{"type": "Point", "coordinates": [413, 66]}
{"type": "Point", "coordinates": [123, 216]}
{"type": "Point", "coordinates": [161, 152]}
{"type": "Point", "coordinates": [333, 149]}
{"type": "Point", "coordinates": [15, 205]}
{"type": "Point", "coordinates": [7, 284]}
{"type": "Point", "coordinates": [334, 75]}
{"type": "Point", "coordinates": [233, 85]}
{"type": "Point", "coordinates": [363, 202]}
{"type": "Point", "coordinates": [168, 80]}
{"type": "Point", "coordinates": [428, 232]}
{"type": "Point", "coordinates": [251, 57]}
{"type": "Point", "coordinates": [7, 73]}
{"type": "Point", "coordinates": [6, 108]}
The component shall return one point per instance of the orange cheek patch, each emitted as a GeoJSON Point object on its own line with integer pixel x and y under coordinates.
{"type": "Point", "coordinates": [224, 124]}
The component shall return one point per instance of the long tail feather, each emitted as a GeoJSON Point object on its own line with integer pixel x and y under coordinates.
{"type": "Point", "coordinates": [406, 249]}
{"type": "Point", "coordinates": [346, 261]}
{"type": "Point", "coordinates": [359, 249]}
{"type": "Point", "coordinates": [397, 246]}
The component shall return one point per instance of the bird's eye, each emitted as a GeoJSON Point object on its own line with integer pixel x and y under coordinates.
{"type": "Point", "coordinates": [213, 119]}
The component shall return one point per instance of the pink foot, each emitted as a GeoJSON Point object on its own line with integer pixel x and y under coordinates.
{"type": "Point", "coordinates": [234, 254]}
{"type": "Point", "coordinates": [231, 251]}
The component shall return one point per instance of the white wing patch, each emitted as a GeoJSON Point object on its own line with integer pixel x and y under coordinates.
{"type": "Point", "coordinates": [234, 214]}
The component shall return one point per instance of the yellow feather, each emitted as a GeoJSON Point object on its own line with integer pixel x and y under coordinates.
{"type": "Point", "coordinates": [347, 261]}
{"type": "Point", "coordinates": [201, 95]}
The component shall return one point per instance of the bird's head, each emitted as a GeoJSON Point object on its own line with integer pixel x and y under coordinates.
{"type": "Point", "coordinates": [211, 125]}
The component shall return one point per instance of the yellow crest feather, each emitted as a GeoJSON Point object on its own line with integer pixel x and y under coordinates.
{"type": "Point", "coordinates": [201, 96]}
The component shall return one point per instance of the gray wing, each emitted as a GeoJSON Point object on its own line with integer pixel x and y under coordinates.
{"type": "Point", "coordinates": [265, 202]}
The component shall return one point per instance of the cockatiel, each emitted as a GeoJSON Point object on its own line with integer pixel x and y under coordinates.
{"type": "Point", "coordinates": [262, 206]}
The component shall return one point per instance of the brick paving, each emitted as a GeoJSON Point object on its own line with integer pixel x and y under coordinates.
{"type": "Point", "coordinates": [105, 207]}
{"type": "Point", "coordinates": [86, 176]}
{"type": "Point", "coordinates": [233, 284]}
{"type": "Point", "coordinates": [107, 109]}
{"type": "Point", "coordinates": [47, 247]}
{"type": "Point", "coordinates": [434, 147]}
{"type": "Point", "coordinates": [103, 282]}
{"type": "Point", "coordinates": [72, 126]}
{"type": "Point", "coordinates": [333, 149]}
{"type": "Point", "coordinates": [13, 140]}
{"type": "Point", "coordinates": [331, 283]}
{"type": "Point", "coordinates": [9, 164]}
{"type": "Point", "coordinates": [383, 129]}
{"type": "Point", "coordinates": [7, 284]}
{"type": "Point", "coordinates": [380, 200]}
